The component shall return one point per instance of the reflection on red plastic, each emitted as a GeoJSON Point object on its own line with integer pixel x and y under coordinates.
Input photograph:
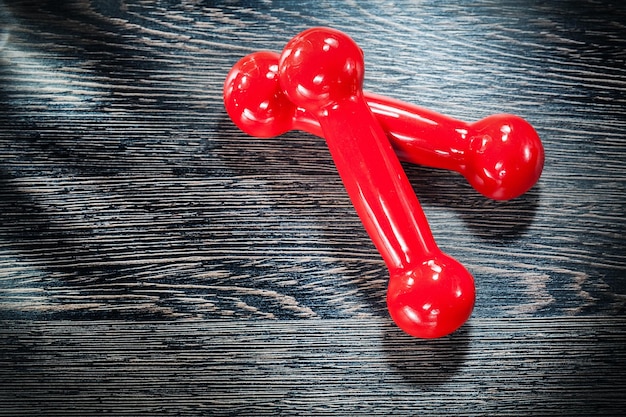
{"type": "Point", "coordinates": [321, 70]}
{"type": "Point", "coordinates": [501, 155]}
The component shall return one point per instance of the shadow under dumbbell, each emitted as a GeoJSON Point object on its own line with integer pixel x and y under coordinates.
{"type": "Point", "coordinates": [491, 220]}
{"type": "Point", "coordinates": [426, 362]}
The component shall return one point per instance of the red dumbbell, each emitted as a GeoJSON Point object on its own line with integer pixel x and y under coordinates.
{"type": "Point", "coordinates": [430, 294]}
{"type": "Point", "coordinates": [501, 155]}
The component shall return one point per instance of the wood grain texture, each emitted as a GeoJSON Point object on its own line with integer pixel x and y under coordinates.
{"type": "Point", "coordinates": [313, 367]}
{"type": "Point", "coordinates": [127, 195]}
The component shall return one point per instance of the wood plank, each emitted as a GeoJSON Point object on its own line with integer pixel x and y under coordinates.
{"type": "Point", "coordinates": [523, 367]}
{"type": "Point", "coordinates": [108, 186]}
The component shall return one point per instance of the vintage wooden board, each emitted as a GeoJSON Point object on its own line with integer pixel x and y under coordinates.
{"type": "Point", "coordinates": [134, 216]}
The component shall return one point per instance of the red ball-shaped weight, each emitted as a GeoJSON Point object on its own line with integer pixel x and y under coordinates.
{"type": "Point", "coordinates": [321, 67]}
{"type": "Point", "coordinates": [433, 299]}
{"type": "Point", "coordinates": [252, 98]}
{"type": "Point", "coordinates": [505, 156]}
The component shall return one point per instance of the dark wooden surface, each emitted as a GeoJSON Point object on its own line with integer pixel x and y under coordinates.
{"type": "Point", "coordinates": [154, 260]}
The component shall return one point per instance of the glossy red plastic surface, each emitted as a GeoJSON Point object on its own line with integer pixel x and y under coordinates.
{"type": "Point", "coordinates": [430, 294]}
{"type": "Point", "coordinates": [501, 155]}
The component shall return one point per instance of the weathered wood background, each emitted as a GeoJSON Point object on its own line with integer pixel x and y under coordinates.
{"type": "Point", "coordinates": [154, 260]}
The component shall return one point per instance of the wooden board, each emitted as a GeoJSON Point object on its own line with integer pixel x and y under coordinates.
{"type": "Point", "coordinates": [313, 367]}
{"type": "Point", "coordinates": [133, 213]}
